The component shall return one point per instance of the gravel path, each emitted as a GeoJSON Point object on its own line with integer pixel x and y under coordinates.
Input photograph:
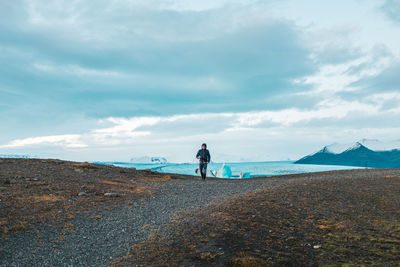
{"type": "Point", "coordinates": [97, 242]}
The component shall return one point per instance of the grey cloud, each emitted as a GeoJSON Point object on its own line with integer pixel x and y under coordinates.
{"type": "Point", "coordinates": [206, 124]}
{"type": "Point", "coordinates": [338, 55]}
{"type": "Point", "coordinates": [386, 81]}
{"type": "Point", "coordinates": [377, 53]}
{"type": "Point", "coordinates": [355, 120]}
{"type": "Point", "coordinates": [392, 9]}
{"type": "Point", "coordinates": [334, 45]}
{"type": "Point", "coordinates": [255, 62]}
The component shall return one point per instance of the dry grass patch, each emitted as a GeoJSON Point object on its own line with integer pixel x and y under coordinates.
{"type": "Point", "coordinates": [157, 177]}
{"type": "Point", "coordinates": [324, 224]}
{"type": "Point", "coordinates": [69, 217]}
{"type": "Point", "coordinates": [69, 226]}
{"type": "Point", "coordinates": [142, 189]}
{"type": "Point", "coordinates": [85, 166]}
{"type": "Point", "coordinates": [249, 262]}
{"type": "Point", "coordinates": [20, 226]}
{"type": "Point", "coordinates": [118, 183]}
{"type": "Point", "coordinates": [46, 198]}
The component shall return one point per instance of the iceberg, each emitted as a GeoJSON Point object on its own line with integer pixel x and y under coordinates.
{"type": "Point", "coordinates": [224, 172]}
{"type": "Point", "coordinates": [149, 160]}
{"type": "Point", "coordinates": [17, 156]}
{"type": "Point", "coordinates": [244, 175]}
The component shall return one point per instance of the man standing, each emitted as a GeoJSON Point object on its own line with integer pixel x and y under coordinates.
{"type": "Point", "coordinates": [204, 156]}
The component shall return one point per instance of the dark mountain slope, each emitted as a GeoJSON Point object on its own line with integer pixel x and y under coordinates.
{"type": "Point", "coordinates": [358, 155]}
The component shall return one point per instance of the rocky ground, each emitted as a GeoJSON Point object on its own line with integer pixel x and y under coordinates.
{"type": "Point", "coordinates": [37, 191]}
{"type": "Point", "coordinates": [57, 213]}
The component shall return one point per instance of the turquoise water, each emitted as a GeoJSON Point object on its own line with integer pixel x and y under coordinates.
{"type": "Point", "coordinates": [272, 168]}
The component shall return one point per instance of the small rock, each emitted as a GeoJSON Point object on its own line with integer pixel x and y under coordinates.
{"type": "Point", "coordinates": [83, 194]}
{"type": "Point", "coordinates": [28, 179]}
{"type": "Point", "coordinates": [317, 246]}
{"type": "Point", "coordinates": [3, 188]}
{"type": "Point", "coordinates": [111, 195]}
{"type": "Point", "coordinates": [78, 170]}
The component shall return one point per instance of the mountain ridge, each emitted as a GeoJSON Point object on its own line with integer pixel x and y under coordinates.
{"type": "Point", "coordinates": [357, 155]}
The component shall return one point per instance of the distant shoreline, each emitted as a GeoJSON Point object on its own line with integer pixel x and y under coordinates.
{"type": "Point", "coordinates": [255, 169]}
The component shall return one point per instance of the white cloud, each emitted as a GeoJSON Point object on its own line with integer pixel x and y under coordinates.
{"type": "Point", "coordinates": [77, 70]}
{"type": "Point", "coordinates": [67, 141]}
{"type": "Point", "coordinates": [128, 131]}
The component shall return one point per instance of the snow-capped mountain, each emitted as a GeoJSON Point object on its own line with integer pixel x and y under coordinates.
{"type": "Point", "coordinates": [145, 160]}
{"type": "Point", "coordinates": [372, 144]}
{"type": "Point", "coordinates": [335, 148]}
{"type": "Point", "coordinates": [365, 153]}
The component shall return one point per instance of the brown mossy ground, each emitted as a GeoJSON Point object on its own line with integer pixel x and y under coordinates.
{"type": "Point", "coordinates": [36, 191]}
{"type": "Point", "coordinates": [346, 219]}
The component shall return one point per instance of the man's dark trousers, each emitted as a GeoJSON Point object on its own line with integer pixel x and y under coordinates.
{"type": "Point", "coordinates": [203, 170]}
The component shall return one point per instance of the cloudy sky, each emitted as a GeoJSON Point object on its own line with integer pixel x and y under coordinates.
{"type": "Point", "coordinates": [257, 80]}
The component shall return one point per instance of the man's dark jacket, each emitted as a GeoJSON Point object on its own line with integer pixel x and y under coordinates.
{"type": "Point", "coordinates": [204, 155]}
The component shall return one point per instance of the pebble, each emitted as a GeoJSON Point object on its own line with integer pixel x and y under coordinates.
{"type": "Point", "coordinates": [111, 195]}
